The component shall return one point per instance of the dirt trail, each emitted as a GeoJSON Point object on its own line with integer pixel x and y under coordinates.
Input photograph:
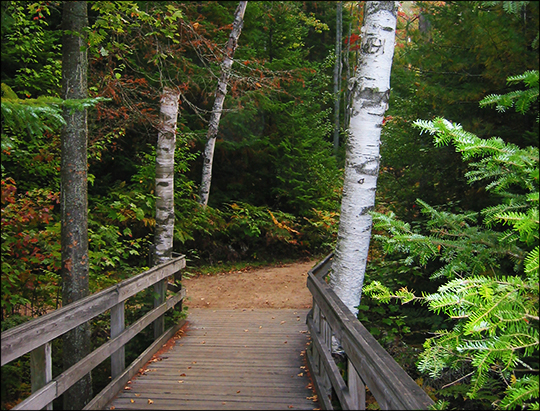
{"type": "Point", "coordinates": [282, 286]}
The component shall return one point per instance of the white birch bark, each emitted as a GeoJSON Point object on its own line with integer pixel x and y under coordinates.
{"type": "Point", "coordinates": [370, 101]}
{"type": "Point", "coordinates": [164, 190]}
{"type": "Point", "coordinates": [221, 91]}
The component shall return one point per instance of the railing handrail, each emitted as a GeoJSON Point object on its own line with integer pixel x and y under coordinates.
{"type": "Point", "coordinates": [391, 386]}
{"type": "Point", "coordinates": [22, 339]}
{"type": "Point", "coordinates": [34, 335]}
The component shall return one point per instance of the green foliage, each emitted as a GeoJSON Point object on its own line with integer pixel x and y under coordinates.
{"type": "Point", "coordinates": [521, 99]}
{"type": "Point", "coordinates": [31, 50]}
{"type": "Point", "coordinates": [463, 53]}
{"type": "Point", "coordinates": [495, 312]}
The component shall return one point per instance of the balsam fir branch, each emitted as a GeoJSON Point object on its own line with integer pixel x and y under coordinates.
{"type": "Point", "coordinates": [41, 114]}
{"type": "Point", "coordinates": [495, 312]}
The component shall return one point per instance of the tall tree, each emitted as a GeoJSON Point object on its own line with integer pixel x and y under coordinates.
{"type": "Point", "coordinates": [370, 101]}
{"type": "Point", "coordinates": [221, 91]}
{"type": "Point", "coordinates": [164, 190]}
{"type": "Point", "coordinates": [337, 75]}
{"type": "Point", "coordinates": [74, 185]}
{"type": "Point", "coordinates": [166, 146]}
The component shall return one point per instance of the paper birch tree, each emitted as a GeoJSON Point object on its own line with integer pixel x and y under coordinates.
{"type": "Point", "coordinates": [164, 190]}
{"type": "Point", "coordinates": [221, 92]}
{"type": "Point", "coordinates": [370, 101]}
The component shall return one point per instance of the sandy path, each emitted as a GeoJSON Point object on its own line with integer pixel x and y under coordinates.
{"type": "Point", "coordinates": [281, 286]}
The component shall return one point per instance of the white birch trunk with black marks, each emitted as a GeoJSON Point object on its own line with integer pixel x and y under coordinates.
{"type": "Point", "coordinates": [370, 101]}
{"type": "Point", "coordinates": [164, 190]}
{"type": "Point", "coordinates": [221, 92]}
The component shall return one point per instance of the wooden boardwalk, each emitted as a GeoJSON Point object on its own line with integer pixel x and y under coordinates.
{"type": "Point", "coordinates": [229, 359]}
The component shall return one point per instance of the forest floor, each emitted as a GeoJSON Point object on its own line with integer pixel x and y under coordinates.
{"type": "Point", "coordinates": [277, 286]}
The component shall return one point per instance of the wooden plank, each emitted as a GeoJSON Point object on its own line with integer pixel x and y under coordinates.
{"type": "Point", "coordinates": [160, 290]}
{"type": "Point", "coordinates": [313, 364]}
{"type": "Point", "coordinates": [389, 383]}
{"type": "Point", "coordinates": [357, 388]}
{"type": "Point", "coordinates": [88, 363]}
{"type": "Point", "coordinates": [39, 399]}
{"type": "Point", "coordinates": [41, 368]}
{"type": "Point", "coordinates": [22, 339]}
{"type": "Point", "coordinates": [118, 324]}
{"type": "Point", "coordinates": [108, 393]}
{"type": "Point", "coordinates": [69, 377]}
{"type": "Point", "coordinates": [263, 373]}
{"type": "Point", "coordinates": [331, 368]}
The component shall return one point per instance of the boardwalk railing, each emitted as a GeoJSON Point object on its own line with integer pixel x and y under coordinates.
{"type": "Point", "coordinates": [368, 364]}
{"type": "Point", "coordinates": [36, 335]}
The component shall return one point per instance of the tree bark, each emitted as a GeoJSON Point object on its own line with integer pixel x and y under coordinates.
{"type": "Point", "coordinates": [221, 91]}
{"type": "Point", "coordinates": [164, 190]}
{"type": "Point", "coordinates": [347, 94]}
{"type": "Point", "coordinates": [337, 75]}
{"type": "Point", "coordinates": [74, 185]}
{"type": "Point", "coordinates": [370, 101]}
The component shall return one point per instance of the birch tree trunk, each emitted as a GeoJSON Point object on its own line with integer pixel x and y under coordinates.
{"type": "Point", "coordinates": [337, 76]}
{"type": "Point", "coordinates": [370, 101]}
{"type": "Point", "coordinates": [164, 190]}
{"type": "Point", "coordinates": [221, 91]}
{"type": "Point", "coordinates": [74, 189]}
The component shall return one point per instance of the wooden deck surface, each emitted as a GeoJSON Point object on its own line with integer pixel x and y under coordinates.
{"type": "Point", "coordinates": [229, 359]}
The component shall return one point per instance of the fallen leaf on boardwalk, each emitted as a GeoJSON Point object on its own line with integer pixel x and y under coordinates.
{"type": "Point", "coordinates": [203, 342]}
{"type": "Point", "coordinates": [285, 342]}
{"type": "Point", "coordinates": [260, 326]}
{"type": "Point", "coordinates": [183, 374]}
{"type": "Point", "coordinates": [127, 388]}
{"type": "Point", "coordinates": [246, 331]}
{"type": "Point", "coordinates": [283, 322]}
{"type": "Point", "coordinates": [133, 401]}
{"type": "Point", "coordinates": [223, 403]}
{"type": "Point", "coordinates": [303, 367]}
{"type": "Point", "coordinates": [180, 381]}
{"type": "Point", "coordinates": [301, 374]}
{"type": "Point", "coordinates": [298, 319]}
{"type": "Point", "coordinates": [273, 318]}
{"type": "Point", "coordinates": [290, 406]}
{"type": "Point", "coordinates": [112, 407]}
{"type": "Point", "coordinates": [150, 401]}
{"type": "Point", "coordinates": [194, 362]}
{"type": "Point", "coordinates": [137, 395]}
{"type": "Point", "coordinates": [238, 392]}
{"type": "Point", "coordinates": [189, 368]}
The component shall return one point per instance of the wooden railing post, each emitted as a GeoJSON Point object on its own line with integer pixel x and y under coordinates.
{"type": "Point", "coordinates": [160, 288]}
{"type": "Point", "coordinates": [326, 334]}
{"type": "Point", "coordinates": [357, 388]}
{"type": "Point", "coordinates": [41, 368]}
{"type": "Point", "coordinates": [118, 358]}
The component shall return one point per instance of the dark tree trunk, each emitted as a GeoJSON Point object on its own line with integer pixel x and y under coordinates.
{"type": "Point", "coordinates": [337, 76]}
{"type": "Point", "coordinates": [76, 343]}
